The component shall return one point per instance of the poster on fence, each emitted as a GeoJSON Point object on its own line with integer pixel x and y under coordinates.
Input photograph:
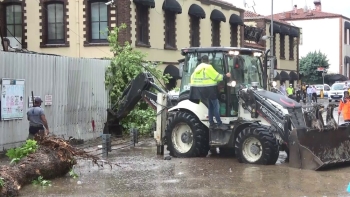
{"type": "Point", "coordinates": [12, 99]}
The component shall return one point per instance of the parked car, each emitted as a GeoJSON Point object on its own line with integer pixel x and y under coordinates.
{"type": "Point", "coordinates": [337, 92]}
{"type": "Point", "coordinates": [325, 87]}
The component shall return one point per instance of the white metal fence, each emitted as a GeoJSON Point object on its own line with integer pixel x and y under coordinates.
{"type": "Point", "coordinates": [79, 96]}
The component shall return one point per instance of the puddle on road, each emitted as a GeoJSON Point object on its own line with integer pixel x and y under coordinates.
{"type": "Point", "coordinates": [140, 172]}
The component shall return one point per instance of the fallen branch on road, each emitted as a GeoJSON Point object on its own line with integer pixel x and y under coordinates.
{"type": "Point", "coordinates": [54, 157]}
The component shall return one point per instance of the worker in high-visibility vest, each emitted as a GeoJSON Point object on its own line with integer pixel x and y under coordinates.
{"type": "Point", "coordinates": [290, 91]}
{"type": "Point", "coordinates": [204, 85]}
{"type": "Point", "coordinates": [344, 107]}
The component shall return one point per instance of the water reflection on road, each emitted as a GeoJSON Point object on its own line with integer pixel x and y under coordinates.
{"type": "Point", "coordinates": [139, 172]}
{"type": "Point", "coordinates": [142, 173]}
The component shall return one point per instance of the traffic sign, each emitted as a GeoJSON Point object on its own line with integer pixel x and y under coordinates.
{"type": "Point", "coordinates": [320, 69]}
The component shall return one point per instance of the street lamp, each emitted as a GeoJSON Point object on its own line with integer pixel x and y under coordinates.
{"type": "Point", "coordinates": [324, 72]}
{"type": "Point", "coordinates": [272, 61]}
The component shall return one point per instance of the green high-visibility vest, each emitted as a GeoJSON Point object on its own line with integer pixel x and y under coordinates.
{"type": "Point", "coordinates": [205, 75]}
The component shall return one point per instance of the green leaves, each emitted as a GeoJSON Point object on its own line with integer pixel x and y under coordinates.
{"type": "Point", "coordinates": [40, 181]}
{"type": "Point", "coordinates": [2, 182]}
{"type": "Point", "coordinates": [73, 174]}
{"type": "Point", "coordinates": [309, 65]}
{"type": "Point", "coordinates": [16, 154]}
{"type": "Point", "coordinates": [126, 64]}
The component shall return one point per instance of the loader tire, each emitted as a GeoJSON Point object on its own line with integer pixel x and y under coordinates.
{"type": "Point", "coordinates": [193, 138]}
{"type": "Point", "coordinates": [256, 145]}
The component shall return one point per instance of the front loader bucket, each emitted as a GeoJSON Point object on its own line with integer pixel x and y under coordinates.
{"type": "Point", "coordinates": [315, 149]}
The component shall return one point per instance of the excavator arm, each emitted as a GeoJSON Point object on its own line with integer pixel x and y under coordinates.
{"type": "Point", "coordinates": [312, 143]}
{"type": "Point", "coordinates": [137, 89]}
{"type": "Point", "coordinates": [259, 105]}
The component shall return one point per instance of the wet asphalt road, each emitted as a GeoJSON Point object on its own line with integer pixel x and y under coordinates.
{"type": "Point", "coordinates": [142, 173]}
{"type": "Point", "coordinates": [138, 171]}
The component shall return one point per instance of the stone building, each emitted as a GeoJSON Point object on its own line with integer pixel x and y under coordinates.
{"type": "Point", "coordinates": [286, 44]}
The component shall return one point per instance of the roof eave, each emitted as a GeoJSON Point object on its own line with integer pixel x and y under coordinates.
{"type": "Point", "coordinates": [308, 18]}
{"type": "Point", "coordinates": [223, 5]}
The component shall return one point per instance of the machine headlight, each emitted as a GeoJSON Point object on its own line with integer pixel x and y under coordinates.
{"type": "Point", "coordinates": [233, 52]}
{"type": "Point", "coordinates": [257, 54]}
{"type": "Point", "coordinates": [231, 83]}
{"type": "Point", "coordinates": [255, 84]}
{"type": "Point", "coordinates": [274, 84]}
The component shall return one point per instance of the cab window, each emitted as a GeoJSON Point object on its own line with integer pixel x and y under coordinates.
{"type": "Point", "coordinates": [192, 60]}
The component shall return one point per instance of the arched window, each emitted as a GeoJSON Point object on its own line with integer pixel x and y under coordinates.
{"type": "Point", "coordinates": [195, 39]}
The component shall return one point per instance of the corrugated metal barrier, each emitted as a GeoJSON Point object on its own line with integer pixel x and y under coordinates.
{"type": "Point", "coordinates": [79, 96]}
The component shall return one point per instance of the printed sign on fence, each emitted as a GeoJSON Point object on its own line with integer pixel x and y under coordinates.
{"type": "Point", "coordinates": [48, 100]}
{"type": "Point", "coordinates": [12, 99]}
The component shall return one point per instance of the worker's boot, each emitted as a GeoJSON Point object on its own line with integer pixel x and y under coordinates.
{"type": "Point", "coordinates": [212, 126]}
{"type": "Point", "coordinates": [222, 127]}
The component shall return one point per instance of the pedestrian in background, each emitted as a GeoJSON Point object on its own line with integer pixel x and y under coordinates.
{"type": "Point", "coordinates": [344, 107]}
{"type": "Point", "coordinates": [298, 93]}
{"type": "Point", "coordinates": [303, 92]}
{"type": "Point", "coordinates": [283, 89]}
{"type": "Point", "coordinates": [314, 94]}
{"type": "Point", "coordinates": [309, 93]}
{"type": "Point", "coordinates": [37, 119]}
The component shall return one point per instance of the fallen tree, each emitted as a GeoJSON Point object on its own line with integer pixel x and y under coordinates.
{"type": "Point", "coordinates": [54, 157]}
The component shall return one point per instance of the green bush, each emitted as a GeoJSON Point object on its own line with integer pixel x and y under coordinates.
{"type": "Point", "coordinates": [126, 64]}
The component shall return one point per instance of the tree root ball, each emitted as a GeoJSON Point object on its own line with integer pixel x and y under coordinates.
{"type": "Point", "coordinates": [55, 157]}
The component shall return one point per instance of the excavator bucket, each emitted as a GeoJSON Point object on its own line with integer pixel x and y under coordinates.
{"type": "Point", "coordinates": [319, 146]}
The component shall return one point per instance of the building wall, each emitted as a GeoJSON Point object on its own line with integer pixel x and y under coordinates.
{"type": "Point", "coordinates": [345, 48]}
{"type": "Point", "coordinates": [323, 35]}
{"type": "Point", "coordinates": [283, 64]}
{"type": "Point", "coordinates": [125, 12]}
{"type": "Point", "coordinates": [157, 53]}
{"type": "Point", "coordinates": [76, 33]}
{"type": "Point", "coordinates": [286, 63]}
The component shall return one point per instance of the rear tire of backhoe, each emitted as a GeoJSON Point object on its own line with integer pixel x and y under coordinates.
{"type": "Point", "coordinates": [186, 136]}
{"type": "Point", "coordinates": [256, 145]}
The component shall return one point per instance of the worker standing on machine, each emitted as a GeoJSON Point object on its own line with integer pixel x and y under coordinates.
{"type": "Point", "coordinates": [344, 106]}
{"type": "Point", "coordinates": [204, 86]}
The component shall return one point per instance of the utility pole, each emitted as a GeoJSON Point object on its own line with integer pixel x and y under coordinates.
{"type": "Point", "coordinates": [272, 63]}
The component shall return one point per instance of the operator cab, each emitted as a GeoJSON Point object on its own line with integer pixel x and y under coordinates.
{"type": "Point", "coordinates": [244, 65]}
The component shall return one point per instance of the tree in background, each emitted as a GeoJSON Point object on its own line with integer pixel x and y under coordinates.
{"type": "Point", "coordinates": [310, 63]}
{"type": "Point", "coordinates": [126, 64]}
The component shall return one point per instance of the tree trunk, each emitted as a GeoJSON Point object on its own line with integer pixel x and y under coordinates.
{"type": "Point", "coordinates": [54, 158]}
